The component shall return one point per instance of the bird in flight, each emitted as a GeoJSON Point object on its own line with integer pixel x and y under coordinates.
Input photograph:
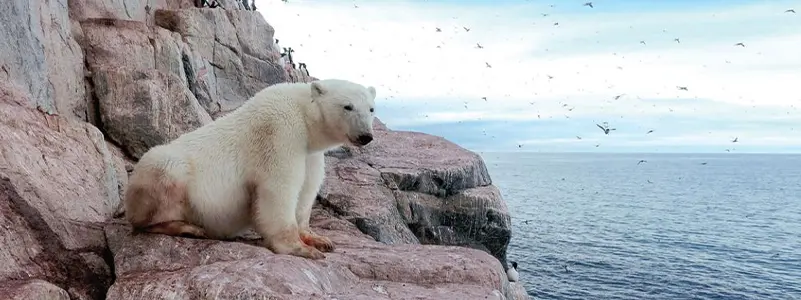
{"type": "Point", "coordinates": [605, 128]}
{"type": "Point", "coordinates": [649, 131]}
{"type": "Point", "coordinates": [735, 140]}
{"type": "Point", "coordinates": [683, 88]}
{"type": "Point", "coordinates": [740, 44]}
{"type": "Point", "coordinates": [790, 11]}
{"type": "Point", "coordinates": [588, 4]}
{"type": "Point", "coordinates": [642, 161]}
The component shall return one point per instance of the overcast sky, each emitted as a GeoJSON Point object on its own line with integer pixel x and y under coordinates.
{"type": "Point", "coordinates": [551, 83]}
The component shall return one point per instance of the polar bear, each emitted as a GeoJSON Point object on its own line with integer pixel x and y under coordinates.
{"type": "Point", "coordinates": [260, 166]}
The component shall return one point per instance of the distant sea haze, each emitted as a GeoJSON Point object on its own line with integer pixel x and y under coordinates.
{"type": "Point", "coordinates": [676, 226]}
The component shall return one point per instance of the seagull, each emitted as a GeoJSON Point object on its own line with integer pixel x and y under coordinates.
{"type": "Point", "coordinates": [485, 98]}
{"type": "Point", "coordinates": [479, 46]}
{"type": "Point", "coordinates": [642, 42]}
{"type": "Point", "coordinates": [578, 137]}
{"type": "Point", "coordinates": [605, 129]}
{"type": "Point", "coordinates": [588, 4]}
{"type": "Point", "coordinates": [642, 161]}
{"type": "Point", "coordinates": [703, 163]}
{"type": "Point", "coordinates": [466, 29]}
{"type": "Point", "coordinates": [649, 131]}
{"type": "Point", "coordinates": [618, 96]}
{"type": "Point", "coordinates": [488, 65]}
{"type": "Point", "coordinates": [740, 44]}
{"type": "Point", "coordinates": [683, 88]}
{"type": "Point", "coordinates": [790, 11]}
{"type": "Point", "coordinates": [735, 140]}
{"type": "Point", "coordinates": [439, 30]}
{"type": "Point", "coordinates": [677, 40]}
{"type": "Point", "coordinates": [512, 274]}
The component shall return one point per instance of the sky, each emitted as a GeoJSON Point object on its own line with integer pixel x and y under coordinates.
{"type": "Point", "coordinates": [552, 71]}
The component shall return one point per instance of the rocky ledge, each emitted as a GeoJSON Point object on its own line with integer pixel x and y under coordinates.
{"type": "Point", "coordinates": [90, 86]}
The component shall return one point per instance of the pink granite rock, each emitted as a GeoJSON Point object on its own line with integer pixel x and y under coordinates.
{"type": "Point", "coordinates": [409, 187]}
{"type": "Point", "coordinates": [150, 266]}
{"type": "Point", "coordinates": [40, 55]}
{"type": "Point", "coordinates": [58, 185]}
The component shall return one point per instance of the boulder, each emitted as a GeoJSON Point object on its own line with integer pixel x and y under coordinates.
{"type": "Point", "coordinates": [143, 109]}
{"type": "Point", "coordinates": [39, 54]}
{"type": "Point", "coordinates": [139, 80]}
{"type": "Point", "coordinates": [238, 46]}
{"type": "Point", "coordinates": [409, 187]}
{"type": "Point", "coordinates": [58, 186]}
{"type": "Point", "coordinates": [150, 266]}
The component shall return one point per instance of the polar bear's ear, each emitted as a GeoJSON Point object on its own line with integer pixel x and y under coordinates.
{"type": "Point", "coordinates": [317, 89]}
{"type": "Point", "coordinates": [372, 91]}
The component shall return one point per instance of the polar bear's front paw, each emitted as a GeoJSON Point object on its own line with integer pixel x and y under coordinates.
{"type": "Point", "coordinates": [297, 249]}
{"type": "Point", "coordinates": [309, 252]}
{"type": "Point", "coordinates": [322, 243]}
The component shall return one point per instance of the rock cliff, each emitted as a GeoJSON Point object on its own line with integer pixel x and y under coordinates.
{"type": "Point", "coordinates": [87, 86]}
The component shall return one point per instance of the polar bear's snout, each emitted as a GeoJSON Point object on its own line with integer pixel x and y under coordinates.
{"type": "Point", "coordinates": [365, 139]}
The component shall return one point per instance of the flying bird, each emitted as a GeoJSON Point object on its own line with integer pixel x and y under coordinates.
{"type": "Point", "coordinates": [740, 44]}
{"type": "Point", "coordinates": [642, 42]}
{"type": "Point", "coordinates": [479, 46]}
{"type": "Point", "coordinates": [735, 140]}
{"type": "Point", "coordinates": [485, 98]}
{"type": "Point", "coordinates": [618, 96]}
{"type": "Point", "coordinates": [642, 161]}
{"type": "Point", "coordinates": [606, 129]}
{"type": "Point", "coordinates": [649, 131]}
{"type": "Point", "coordinates": [683, 88]}
{"type": "Point", "coordinates": [677, 40]}
{"type": "Point", "coordinates": [790, 11]}
{"type": "Point", "coordinates": [578, 137]}
{"type": "Point", "coordinates": [588, 4]}
{"type": "Point", "coordinates": [466, 29]}
{"type": "Point", "coordinates": [439, 30]}
{"type": "Point", "coordinates": [488, 65]}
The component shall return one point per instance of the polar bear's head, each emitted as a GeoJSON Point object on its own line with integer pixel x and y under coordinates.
{"type": "Point", "coordinates": [347, 110]}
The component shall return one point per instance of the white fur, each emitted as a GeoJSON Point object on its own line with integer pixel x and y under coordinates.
{"type": "Point", "coordinates": [273, 142]}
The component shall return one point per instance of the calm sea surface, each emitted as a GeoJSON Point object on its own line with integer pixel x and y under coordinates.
{"type": "Point", "coordinates": [603, 227]}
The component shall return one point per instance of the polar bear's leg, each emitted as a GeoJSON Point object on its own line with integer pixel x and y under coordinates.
{"type": "Point", "coordinates": [273, 207]}
{"type": "Point", "coordinates": [315, 174]}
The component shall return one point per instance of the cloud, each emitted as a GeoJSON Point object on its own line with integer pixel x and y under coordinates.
{"type": "Point", "coordinates": [426, 78]}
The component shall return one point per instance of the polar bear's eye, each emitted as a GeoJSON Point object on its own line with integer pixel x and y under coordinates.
{"type": "Point", "coordinates": [371, 109]}
{"type": "Point", "coordinates": [348, 107]}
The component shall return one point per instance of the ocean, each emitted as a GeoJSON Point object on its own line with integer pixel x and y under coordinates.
{"type": "Point", "coordinates": [602, 226]}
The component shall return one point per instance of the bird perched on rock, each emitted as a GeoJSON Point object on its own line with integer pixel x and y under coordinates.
{"type": "Point", "coordinates": [512, 274]}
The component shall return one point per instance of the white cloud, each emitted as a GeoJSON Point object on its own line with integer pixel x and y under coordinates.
{"type": "Point", "coordinates": [591, 56]}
